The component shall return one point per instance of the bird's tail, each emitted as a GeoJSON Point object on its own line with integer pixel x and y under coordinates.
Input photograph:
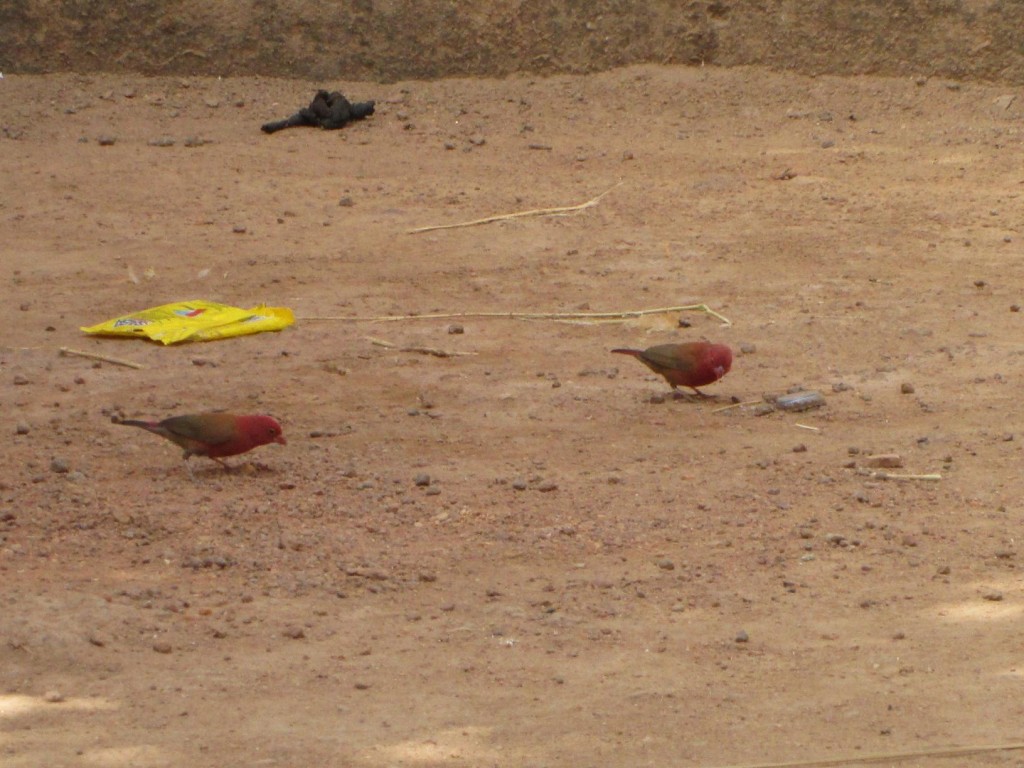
{"type": "Point", "coordinates": [633, 352]}
{"type": "Point", "coordinates": [148, 425]}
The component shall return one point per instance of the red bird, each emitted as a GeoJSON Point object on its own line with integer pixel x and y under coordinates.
{"type": "Point", "coordinates": [687, 365]}
{"type": "Point", "coordinates": [214, 435]}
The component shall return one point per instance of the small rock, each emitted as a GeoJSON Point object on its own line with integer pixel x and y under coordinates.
{"type": "Point", "coordinates": [943, 570]}
{"type": "Point", "coordinates": [422, 480]}
{"type": "Point", "coordinates": [455, 329]}
{"type": "Point", "coordinates": [53, 697]}
{"type": "Point", "coordinates": [449, 145]}
{"type": "Point", "coordinates": [742, 636]}
{"type": "Point", "coordinates": [666, 565]}
{"type": "Point", "coordinates": [748, 349]}
{"type": "Point", "coordinates": [19, 380]}
{"type": "Point", "coordinates": [21, 428]}
{"type": "Point", "coordinates": [993, 595]}
{"type": "Point", "coordinates": [1004, 102]}
{"type": "Point", "coordinates": [884, 460]}
{"type": "Point", "coordinates": [656, 399]}
{"type": "Point", "coordinates": [162, 647]}
{"type": "Point", "coordinates": [519, 485]}
{"type": "Point", "coordinates": [211, 102]}
{"type": "Point", "coordinates": [800, 448]}
{"type": "Point", "coordinates": [906, 388]}
{"type": "Point", "coordinates": [361, 686]}
{"type": "Point", "coordinates": [346, 202]}
{"type": "Point", "coordinates": [238, 230]}
{"type": "Point", "coordinates": [106, 141]}
{"type": "Point", "coordinates": [294, 633]}
{"type": "Point", "coordinates": [800, 401]}
{"type": "Point", "coordinates": [59, 465]}
{"type": "Point", "coordinates": [547, 486]}
{"type": "Point", "coordinates": [162, 141]}
{"type": "Point", "coordinates": [477, 140]}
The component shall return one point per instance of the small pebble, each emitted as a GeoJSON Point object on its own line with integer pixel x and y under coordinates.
{"type": "Point", "coordinates": [742, 636]}
{"type": "Point", "coordinates": [455, 329]}
{"type": "Point", "coordinates": [884, 460]}
{"type": "Point", "coordinates": [422, 480]}
{"type": "Point", "coordinates": [906, 388]}
{"type": "Point", "coordinates": [294, 633]}
{"type": "Point", "coordinates": [477, 140]}
{"type": "Point", "coordinates": [21, 429]}
{"type": "Point", "coordinates": [59, 465]}
{"type": "Point", "coordinates": [162, 647]}
{"type": "Point", "coordinates": [993, 595]}
{"type": "Point", "coordinates": [346, 202]}
{"type": "Point", "coordinates": [800, 401]}
{"type": "Point", "coordinates": [519, 485]}
{"type": "Point", "coordinates": [547, 486]}
{"type": "Point", "coordinates": [19, 380]}
{"type": "Point", "coordinates": [666, 565]}
{"type": "Point", "coordinates": [106, 141]}
{"type": "Point", "coordinates": [748, 349]}
{"type": "Point", "coordinates": [53, 697]}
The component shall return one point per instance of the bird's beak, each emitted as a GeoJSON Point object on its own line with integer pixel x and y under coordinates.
{"type": "Point", "coordinates": [280, 439]}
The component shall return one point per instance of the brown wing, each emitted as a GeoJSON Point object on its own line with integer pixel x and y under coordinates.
{"type": "Point", "coordinates": [202, 428]}
{"type": "Point", "coordinates": [668, 356]}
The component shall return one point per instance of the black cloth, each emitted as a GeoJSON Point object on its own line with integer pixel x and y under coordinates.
{"type": "Point", "coordinates": [327, 110]}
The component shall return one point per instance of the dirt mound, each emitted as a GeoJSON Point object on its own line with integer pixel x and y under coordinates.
{"type": "Point", "coordinates": [400, 39]}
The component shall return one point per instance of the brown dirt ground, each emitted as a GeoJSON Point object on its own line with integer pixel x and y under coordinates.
{"type": "Point", "coordinates": [322, 609]}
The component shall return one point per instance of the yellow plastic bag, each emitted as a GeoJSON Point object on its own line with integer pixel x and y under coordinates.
{"type": "Point", "coordinates": [195, 321]}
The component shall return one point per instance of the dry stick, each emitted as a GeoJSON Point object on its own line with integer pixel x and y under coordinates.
{"type": "Point", "coordinates": [104, 358]}
{"type": "Point", "coordinates": [530, 315]}
{"type": "Point", "coordinates": [736, 405]}
{"type": "Point", "coordinates": [518, 215]}
{"type": "Point", "coordinates": [891, 476]}
{"type": "Point", "coordinates": [881, 757]}
{"type": "Point", "coordinates": [422, 350]}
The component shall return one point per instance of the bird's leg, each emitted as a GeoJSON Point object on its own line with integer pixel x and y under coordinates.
{"type": "Point", "coordinates": [188, 466]}
{"type": "Point", "coordinates": [227, 467]}
{"type": "Point", "coordinates": [702, 394]}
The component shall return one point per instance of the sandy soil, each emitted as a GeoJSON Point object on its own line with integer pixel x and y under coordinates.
{"type": "Point", "coordinates": [596, 574]}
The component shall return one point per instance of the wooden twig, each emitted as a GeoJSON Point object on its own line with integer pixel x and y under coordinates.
{"type": "Point", "coordinates": [891, 476]}
{"type": "Point", "coordinates": [104, 358]}
{"type": "Point", "coordinates": [808, 426]}
{"type": "Point", "coordinates": [517, 215]}
{"type": "Point", "coordinates": [530, 315]}
{"type": "Point", "coordinates": [421, 350]}
{"type": "Point", "coordinates": [882, 757]}
{"type": "Point", "coordinates": [736, 405]}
